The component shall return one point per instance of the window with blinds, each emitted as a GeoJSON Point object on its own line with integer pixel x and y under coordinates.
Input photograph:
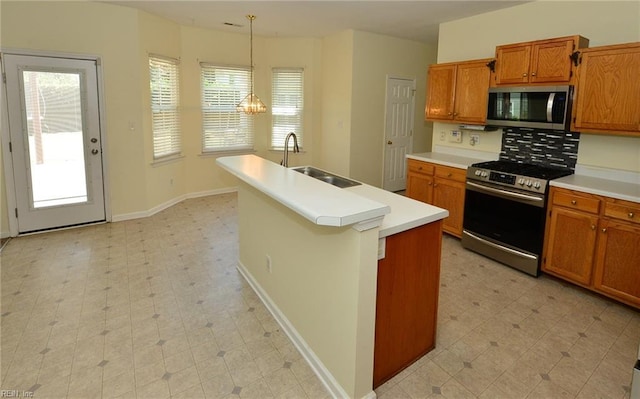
{"type": "Point", "coordinates": [165, 103]}
{"type": "Point", "coordinates": [223, 127]}
{"type": "Point", "coordinates": [287, 105]}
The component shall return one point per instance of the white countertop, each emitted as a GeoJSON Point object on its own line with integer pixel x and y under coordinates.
{"type": "Point", "coordinates": [455, 161]}
{"type": "Point", "coordinates": [324, 204]}
{"type": "Point", "coordinates": [595, 185]}
{"type": "Point", "coordinates": [406, 213]}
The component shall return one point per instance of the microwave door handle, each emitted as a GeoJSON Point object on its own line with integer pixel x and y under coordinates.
{"type": "Point", "coordinates": [550, 101]}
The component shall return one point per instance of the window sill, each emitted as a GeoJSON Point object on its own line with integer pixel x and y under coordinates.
{"type": "Point", "coordinates": [167, 160]}
{"type": "Point", "coordinates": [215, 154]}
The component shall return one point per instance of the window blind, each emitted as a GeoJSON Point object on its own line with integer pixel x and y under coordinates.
{"type": "Point", "coordinates": [287, 105]}
{"type": "Point", "coordinates": [223, 127]}
{"type": "Point", "coordinates": [165, 103]}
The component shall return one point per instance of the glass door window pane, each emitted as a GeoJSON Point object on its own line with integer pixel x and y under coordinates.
{"type": "Point", "coordinates": [55, 135]}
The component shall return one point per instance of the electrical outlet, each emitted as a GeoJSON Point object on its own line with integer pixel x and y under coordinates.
{"type": "Point", "coordinates": [443, 136]}
{"type": "Point", "coordinates": [474, 139]}
{"type": "Point", "coordinates": [269, 268]}
{"type": "Point", "coordinates": [455, 136]}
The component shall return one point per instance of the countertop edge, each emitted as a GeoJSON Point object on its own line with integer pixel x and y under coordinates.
{"type": "Point", "coordinates": [597, 191]}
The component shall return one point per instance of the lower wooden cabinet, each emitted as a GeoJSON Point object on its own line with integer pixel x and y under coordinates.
{"type": "Point", "coordinates": [594, 241]}
{"type": "Point", "coordinates": [439, 185]}
{"type": "Point", "coordinates": [571, 258]}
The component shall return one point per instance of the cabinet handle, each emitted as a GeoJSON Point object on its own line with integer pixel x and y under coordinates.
{"type": "Point", "coordinates": [449, 175]}
{"type": "Point", "coordinates": [604, 230]}
{"type": "Point", "coordinates": [524, 75]}
{"type": "Point", "coordinates": [419, 167]}
{"type": "Point", "coordinates": [435, 185]}
{"type": "Point", "coordinates": [573, 202]}
{"type": "Point", "coordinates": [631, 215]}
{"type": "Point", "coordinates": [429, 183]}
{"type": "Point", "coordinates": [455, 114]}
{"type": "Point", "coordinates": [449, 113]}
{"type": "Point", "coordinates": [593, 227]}
{"type": "Point", "coordinates": [533, 74]}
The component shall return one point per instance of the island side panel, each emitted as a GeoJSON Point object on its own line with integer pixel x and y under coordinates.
{"type": "Point", "coordinates": [407, 299]}
{"type": "Point", "coordinates": [323, 279]}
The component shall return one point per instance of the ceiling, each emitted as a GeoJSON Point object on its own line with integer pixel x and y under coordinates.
{"type": "Point", "coordinates": [415, 20]}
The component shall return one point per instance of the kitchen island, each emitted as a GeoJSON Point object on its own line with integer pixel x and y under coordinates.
{"type": "Point", "coordinates": [350, 274]}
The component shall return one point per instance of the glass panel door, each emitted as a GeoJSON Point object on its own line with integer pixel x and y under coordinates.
{"type": "Point", "coordinates": [56, 149]}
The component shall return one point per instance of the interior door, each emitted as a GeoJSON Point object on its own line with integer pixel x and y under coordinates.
{"type": "Point", "coordinates": [398, 132]}
{"type": "Point", "coordinates": [55, 145]}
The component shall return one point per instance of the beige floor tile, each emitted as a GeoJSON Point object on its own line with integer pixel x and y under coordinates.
{"type": "Point", "coordinates": [115, 308]}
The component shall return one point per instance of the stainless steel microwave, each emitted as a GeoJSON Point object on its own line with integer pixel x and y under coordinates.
{"type": "Point", "coordinates": [542, 107]}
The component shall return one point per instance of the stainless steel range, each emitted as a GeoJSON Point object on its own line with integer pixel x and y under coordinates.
{"type": "Point", "coordinates": [505, 211]}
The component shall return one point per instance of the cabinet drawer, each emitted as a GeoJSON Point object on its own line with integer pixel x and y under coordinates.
{"type": "Point", "coordinates": [622, 210]}
{"type": "Point", "coordinates": [420, 167]}
{"type": "Point", "coordinates": [450, 173]}
{"type": "Point", "coordinates": [570, 200]}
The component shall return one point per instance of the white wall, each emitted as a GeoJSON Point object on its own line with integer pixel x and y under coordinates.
{"type": "Point", "coordinates": [602, 22]}
{"type": "Point", "coordinates": [375, 57]}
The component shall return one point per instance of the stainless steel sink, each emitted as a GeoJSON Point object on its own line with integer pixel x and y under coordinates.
{"type": "Point", "coordinates": [326, 177]}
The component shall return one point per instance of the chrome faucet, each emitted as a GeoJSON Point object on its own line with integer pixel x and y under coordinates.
{"type": "Point", "coordinates": [285, 160]}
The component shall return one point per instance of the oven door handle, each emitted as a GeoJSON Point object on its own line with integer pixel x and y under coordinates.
{"type": "Point", "coordinates": [507, 194]}
{"type": "Point", "coordinates": [500, 247]}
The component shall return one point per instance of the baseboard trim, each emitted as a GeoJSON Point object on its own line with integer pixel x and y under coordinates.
{"type": "Point", "coordinates": [325, 376]}
{"type": "Point", "coordinates": [170, 203]}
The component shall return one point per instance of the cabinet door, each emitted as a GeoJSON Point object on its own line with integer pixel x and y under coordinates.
{"type": "Point", "coordinates": [551, 62]}
{"type": "Point", "coordinates": [608, 90]}
{"type": "Point", "coordinates": [440, 88]}
{"type": "Point", "coordinates": [472, 92]}
{"type": "Point", "coordinates": [420, 187]}
{"type": "Point", "coordinates": [449, 194]}
{"type": "Point", "coordinates": [617, 271]}
{"type": "Point", "coordinates": [512, 64]}
{"type": "Point", "coordinates": [571, 245]}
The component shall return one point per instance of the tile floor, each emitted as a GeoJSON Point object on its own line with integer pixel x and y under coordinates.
{"type": "Point", "coordinates": [154, 308]}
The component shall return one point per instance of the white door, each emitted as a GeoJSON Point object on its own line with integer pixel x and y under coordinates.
{"type": "Point", "coordinates": [398, 132]}
{"type": "Point", "coordinates": [55, 145]}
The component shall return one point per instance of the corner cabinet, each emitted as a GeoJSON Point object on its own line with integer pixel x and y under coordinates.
{"type": "Point", "coordinates": [540, 62]}
{"type": "Point", "coordinates": [441, 186]}
{"type": "Point", "coordinates": [594, 241]}
{"type": "Point", "coordinates": [608, 90]}
{"type": "Point", "coordinates": [458, 92]}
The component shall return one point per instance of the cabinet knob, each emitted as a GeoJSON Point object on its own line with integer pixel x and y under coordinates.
{"type": "Point", "coordinates": [593, 227]}
{"type": "Point", "coordinates": [533, 74]}
{"type": "Point", "coordinates": [429, 183]}
{"type": "Point", "coordinates": [524, 75]}
{"type": "Point", "coordinates": [631, 215]}
{"type": "Point", "coordinates": [449, 113]}
{"type": "Point", "coordinates": [449, 175]}
{"type": "Point", "coordinates": [604, 230]}
{"type": "Point", "coordinates": [455, 114]}
{"type": "Point", "coordinates": [419, 167]}
{"type": "Point", "coordinates": [573, 202]}
{"type": "Point", "coordinates": [435, 185]}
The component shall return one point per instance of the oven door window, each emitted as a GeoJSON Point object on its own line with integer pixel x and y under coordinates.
{"type": "Point", "coordinates": [506, 221]}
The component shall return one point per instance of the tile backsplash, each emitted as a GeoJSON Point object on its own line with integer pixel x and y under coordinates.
{"type": "Point", "coordinates": [551, 148]}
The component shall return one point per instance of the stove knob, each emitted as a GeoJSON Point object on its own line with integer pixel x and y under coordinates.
{"type": "Point", "coordinates": [528, 183]}
{"type": "Point", "coordinates": [484, 174]}
{"type": "Point", "coordinates": [477, 173]}
{"type": "Point", "coordinates": [536, 185]}
{"type": "Point", "coordinates": [521, 182]}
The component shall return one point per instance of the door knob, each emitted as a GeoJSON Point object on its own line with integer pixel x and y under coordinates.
{"type": "Point", "coordinates": [94, 140]}
{"type": "Point", "coordinates": [389, 142]}
{"type": "Point", "coordinates": [94, 151]}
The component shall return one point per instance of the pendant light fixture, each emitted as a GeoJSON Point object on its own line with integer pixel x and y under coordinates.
{"type": "Point", "coordinates": [251, 104]}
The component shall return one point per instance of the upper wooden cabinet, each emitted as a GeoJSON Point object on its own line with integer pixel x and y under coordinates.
{"type": "Point", "coordinates": [458, 92]}
{"type": "Point", "coordinates": [539, 62]}
{"type": "Point", "coordinates": [607, 95]}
